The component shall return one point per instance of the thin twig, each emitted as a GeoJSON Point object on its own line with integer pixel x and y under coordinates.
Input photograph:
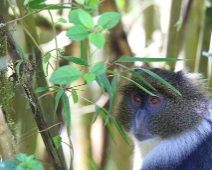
{"type": "Point", "coordinates": [39, 132]}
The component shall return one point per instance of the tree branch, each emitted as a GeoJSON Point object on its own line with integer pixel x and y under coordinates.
{"type": "Point", "coordinates": [26, 73]}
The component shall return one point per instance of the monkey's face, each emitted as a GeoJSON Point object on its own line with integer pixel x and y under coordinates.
{"type": "Point", "coordinates": [144, 106]}
{"type": "Point", "coordinates": [166, 114]}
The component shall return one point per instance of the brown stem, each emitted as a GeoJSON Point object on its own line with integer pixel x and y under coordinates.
{"type": "Point", "coordinates": [26, 71]}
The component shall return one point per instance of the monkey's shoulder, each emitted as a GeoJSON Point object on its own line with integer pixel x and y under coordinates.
{"type": "Point", "coordinates": [200, 158]}
{"type": "Point", "coordinates": [190, 151]}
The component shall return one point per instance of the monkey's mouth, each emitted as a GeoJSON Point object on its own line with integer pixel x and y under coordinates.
{"type": "Point", "coordinates": [142, 137]}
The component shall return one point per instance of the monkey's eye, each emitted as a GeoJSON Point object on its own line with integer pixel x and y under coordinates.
{"type": "Point", "coordinates": [137, 98]}
{"type": "Point", "coordinates": [154, 100]}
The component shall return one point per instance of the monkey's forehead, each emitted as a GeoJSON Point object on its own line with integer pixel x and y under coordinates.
{"type": "Point", "coordinates": [155, 80]}
{"type": "Point", "coordinates": [190, 85]}
{"type": "Point", "coordinates": [167, 75]}
{"type": "Point", "coordinates": [126, 90]}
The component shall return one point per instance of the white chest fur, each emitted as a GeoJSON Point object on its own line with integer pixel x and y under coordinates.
{"type": "Point", "coordinates": [156, 151]}
{"type": "Point", "coordinates": [142, 149]}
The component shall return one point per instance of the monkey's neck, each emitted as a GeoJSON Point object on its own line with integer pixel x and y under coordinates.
{"type": "Point", "coordinates": [174, 149]}
{"type": "Point", "coordinates": [141, 149]}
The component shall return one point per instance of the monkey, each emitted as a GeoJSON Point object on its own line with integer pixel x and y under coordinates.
{"type": "Point", "coordinates": [169, 131]}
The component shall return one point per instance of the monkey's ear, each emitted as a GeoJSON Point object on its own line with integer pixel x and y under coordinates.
{"type": "Point", "coordinates": [192, 77]}
{"type": "Point", "coordinates": [195, 80]}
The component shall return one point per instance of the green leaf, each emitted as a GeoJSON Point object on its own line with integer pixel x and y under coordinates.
{"type": "Point", "coordinates": [21, 52]}
{"type": "Point", "coordinates": [142, 79]}
{"type": "Point", "coordinates": [80, 1]}
{"type": "Point", "coordinates": [114, 86]}
{"type": "Point", "coordinates": [22, 166]}
{"type": "Point", "coordinates": [85, 19]}
{"type": "Point", "coordinates": [66, 111]}
{"type": "Point", "coordinates": [48, 7]}
{"type": "Point", "coordinates": [74, 17]}
{"type": "Point", "coordinates": [46, 58]}
{"type": "Point", "coordinates": [101, 85]}
{"type": "Point", "coordinates": [81, 17]}
{"type": "Point", "coordinates": [92, 163]}
{"type": "Point", "coordinates": [74, 95]}
{"type": "Point", "coordinates": [25, 2]}
{"type": "Point", "coordinates": [118, 127]}
{"type": "Point", "coordinates": [112, 72]}
{"type": "Point", "coordinates": [139, 86]}
{"type": "Point", "coordinates": [57, 141]}
{"type": "Point", "coordinates": [104, 80]}
{"type": "Point", "coordinates": [60, 50]}
{"type": "Point", "coordinates": [104, 112]}
{"type": "Point", "coordinates": [42, 89]}
{"type": "Point", "coordinates": [77, 32]}
{"type": "Point", "coordinates": [8, 165]}
{"type": "Point", "coordinates": [35, 2]}
{"type": "Point", "coordinates": [82, 50]}
{"type": "Point", "coordinates": [108, 20]}
{"type": "Point", "coordinates": [96, 113]}
{"type": "Point", "coordinates": [97, 39]}
{"type": "Point", "coordinates": [57, 99]}
{"type": "Point", "coordinates": [62, 20]}
{"type": "Point", "coordinates": [98, 68]}
{"type": "Point", "coordinates": [89, 77]}
{"type": "Point", "coordinates": [161, 80]}
{"type": "Point", "coordinates": [35, 165]}
{"type": "Point", "coordinates": [30, 158]}
{"type": "Point", "coordinates": [17, 68]}
{"type": "Point", "coordinates": [91, 2]}
{"type": "Point", "coordinates": [65, 75]}
{"type": "Point", "coordinates": [133, 59]}
{"type": "Point", "coordinates": [21, 157]}
{"type": "Point", "coordinates": [138, 76]}
{"type": "Point", "coordinates": [91, 7]}
{"type": "Point", "coordinates": [75, 60]}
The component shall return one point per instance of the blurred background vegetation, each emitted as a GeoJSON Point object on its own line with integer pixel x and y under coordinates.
{"type": "Point", "coordinates": [148, 28]}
